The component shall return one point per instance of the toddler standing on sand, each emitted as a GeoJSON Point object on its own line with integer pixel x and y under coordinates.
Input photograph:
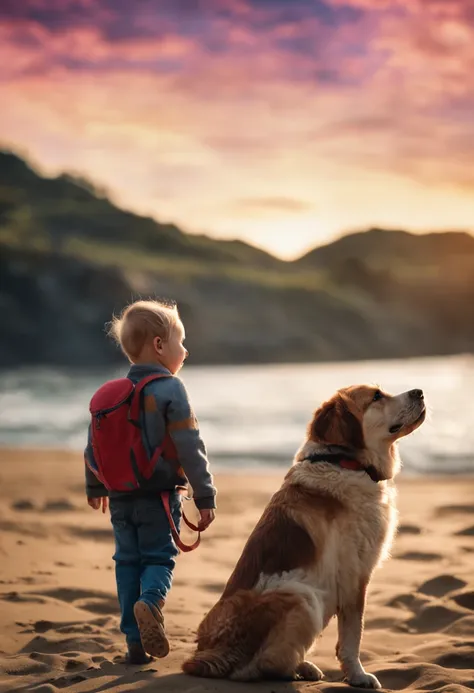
{"type": "Point", "coordinates": [151, 335]}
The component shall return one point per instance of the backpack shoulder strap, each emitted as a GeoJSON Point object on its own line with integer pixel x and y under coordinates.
{"type": "Point", "coordinates": [134, 412]}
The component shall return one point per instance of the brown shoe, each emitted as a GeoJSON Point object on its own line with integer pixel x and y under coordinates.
{"type": "Point", "coordinates": [137, 655]}
{"type": "Point", "coordinates": [150, 623]}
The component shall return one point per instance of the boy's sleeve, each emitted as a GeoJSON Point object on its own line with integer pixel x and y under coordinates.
{"type": "Point", "coordinates": [184, 431]}
{"type": "Point", "coordinates": [94, 487]}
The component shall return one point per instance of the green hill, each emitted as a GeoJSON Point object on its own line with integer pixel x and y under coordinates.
{"type": "Point", "coordinates": [70, 257]}
{"type": "Point", "coordinates": [397, 251]}
{"type": "Point", "coordinates": [51, 213]}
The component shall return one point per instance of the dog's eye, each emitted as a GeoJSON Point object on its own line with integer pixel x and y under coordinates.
{"type": "Point", "coordinates": [378, 395]}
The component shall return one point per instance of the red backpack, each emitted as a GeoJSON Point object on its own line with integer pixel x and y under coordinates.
{"type": "Point", "coordinates": [121, 461]}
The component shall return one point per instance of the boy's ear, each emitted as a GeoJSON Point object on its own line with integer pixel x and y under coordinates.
{"type": "Point", "coordinates": [158, 344]}
{"type": "Point", "coordinates": [334, 424]}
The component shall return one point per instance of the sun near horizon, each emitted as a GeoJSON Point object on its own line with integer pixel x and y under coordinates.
{"type": "Point", "coordinates": [281, 124]}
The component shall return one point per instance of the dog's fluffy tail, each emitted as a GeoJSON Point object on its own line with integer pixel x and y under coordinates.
{"type": "Point", "coordinates": [237, 628]}
{"type": "Point", "coordinates": [212, 664]}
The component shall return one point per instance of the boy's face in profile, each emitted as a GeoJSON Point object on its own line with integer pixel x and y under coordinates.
{"type": "Point", "coordinates": [172, 353]}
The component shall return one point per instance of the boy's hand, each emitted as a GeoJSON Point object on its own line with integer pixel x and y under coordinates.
{"type": "Point", "coordinates": [97, 502]}
{"type": "Point", "coordinates": [207, 516]}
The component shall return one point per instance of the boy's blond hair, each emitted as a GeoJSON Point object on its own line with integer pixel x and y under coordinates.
{"type": "Point", "coordinates": [140, 322]}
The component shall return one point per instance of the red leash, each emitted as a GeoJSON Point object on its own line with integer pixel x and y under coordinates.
{"type": "Point", "coordinates": [165, 497]}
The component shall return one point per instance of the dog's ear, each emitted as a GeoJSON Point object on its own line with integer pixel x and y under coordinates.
{"type": "Point", "coordinates": [334, 424]}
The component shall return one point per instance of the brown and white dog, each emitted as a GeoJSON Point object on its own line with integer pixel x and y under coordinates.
{"type": "Point", "coordinates": [312, 554]}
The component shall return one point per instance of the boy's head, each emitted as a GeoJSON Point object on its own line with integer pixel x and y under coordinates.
{"type": "Point", "coordinates": [151, 332]}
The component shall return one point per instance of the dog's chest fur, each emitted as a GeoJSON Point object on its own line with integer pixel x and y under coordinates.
{"type": "Point", "coordinates": [350, 522]}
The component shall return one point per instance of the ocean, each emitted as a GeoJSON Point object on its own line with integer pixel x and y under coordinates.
{"type": "Point", "coordinates": [255, 417]}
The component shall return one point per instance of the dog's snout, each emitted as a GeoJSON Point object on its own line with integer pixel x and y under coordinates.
{"type": "Point", "coordinates": [416, 394]}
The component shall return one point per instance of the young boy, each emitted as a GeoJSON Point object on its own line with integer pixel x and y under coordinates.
{"type": "Point", "coordinates": [151, 335]}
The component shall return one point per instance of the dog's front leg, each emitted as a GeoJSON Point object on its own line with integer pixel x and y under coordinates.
{"type": "Point", "coordinates": [350, 622]}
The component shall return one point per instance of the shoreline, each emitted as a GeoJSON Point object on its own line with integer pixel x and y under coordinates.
{"type": "Point", "coordinates": [121, 364]}
{"type": "Point", "coordinates": [19, 451]}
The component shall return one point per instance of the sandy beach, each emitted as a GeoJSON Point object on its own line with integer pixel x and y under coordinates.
{"type": "Point", "coordinates": [59, 612]}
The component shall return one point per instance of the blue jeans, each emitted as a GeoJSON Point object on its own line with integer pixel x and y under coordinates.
{"type": "Point", "coordinates": [144, 553]}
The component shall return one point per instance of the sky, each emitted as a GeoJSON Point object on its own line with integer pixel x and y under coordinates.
{"type": "Point", "coordinates": [281, 122]}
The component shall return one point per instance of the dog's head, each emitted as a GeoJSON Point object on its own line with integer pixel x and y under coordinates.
{"type": "Point", "coordinates": [368, 421]}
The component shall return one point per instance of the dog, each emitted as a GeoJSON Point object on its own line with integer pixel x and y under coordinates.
{"type": "Point", "coordinates": [313, 551]}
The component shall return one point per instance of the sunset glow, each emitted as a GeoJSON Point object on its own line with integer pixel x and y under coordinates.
{"type": "Point", "coordinates": [281, 122]}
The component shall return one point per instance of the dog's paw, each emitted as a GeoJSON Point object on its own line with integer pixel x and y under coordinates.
{"type": "Point", "coordinates": [307, 671]}
{"type": "Point", "coordinates": [364, 680]}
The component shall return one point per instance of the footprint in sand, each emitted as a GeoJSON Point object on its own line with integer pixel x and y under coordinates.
{"type": "Point", "coordinates": [42, 626]}
{"type": "Point", "coordinates": [24, 528]}
{"type": "Point", "coordinates": [464, 599]}
{"type": "Point", "coordinates": [433, 618]}
{"type": "Point", "coordinates": [403, 676]}
{"type": "Point", "coordinates": [454, 510]}
{"type": "Point", "coordinates": [430, 616]}
{"type": "Point", "coordinates": [67, 681]}
{"type": "Point", "coordinates": [102, 605]}
{"type": "Point", "coordinates": [17, 597]}
{"type": "Point", "coordinates": [88, 600]}
{"type": "Point", "coordinates": [441, 585]}
{"type": "Point", "coordinates": [54, 660]}
{"type": "Point", "coordinates": [460, 659]}
{"type": "Point", "coordinates": [409, 529]}
{"type": "Point", "coordinates": [65, 594]}
{"type": "Point", "coordinates": [92, 533]}
{"type": "Point", "coordinates": [58, 506]}
{"type": "Point", "coordinates": [217, 587]}
{"type": "Point", "coordinates": [411, 601]}
{"type": "Point", "coordinates": [439, 671]}
{"type": "Point", "coordinates": [93, 627]}
{"type": "Point", "coordinates": [72, 665]}
{"type": "Point", "coordinates": [419, 556]}
{"type": "Point", "coordinates": [23, 504]}
{"type": "Point", "coordinates": [90, 644]}
{"type": "Point", "coordinates": [461, 628]}
{"type": "Point", "coordinates": [446, 653]}
{"type": "Point", "coordinates": [23, 666]}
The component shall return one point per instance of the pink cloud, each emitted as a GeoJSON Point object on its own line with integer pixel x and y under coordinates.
{"type": "Point", "coordinates": [244, 101]}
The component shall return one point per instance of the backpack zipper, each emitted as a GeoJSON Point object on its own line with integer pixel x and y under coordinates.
{"type": "Point", "coordinates": [103, 412]}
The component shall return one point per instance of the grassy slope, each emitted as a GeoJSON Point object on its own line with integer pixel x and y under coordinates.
{"type": "Point", "coordinates": [369, 294]}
